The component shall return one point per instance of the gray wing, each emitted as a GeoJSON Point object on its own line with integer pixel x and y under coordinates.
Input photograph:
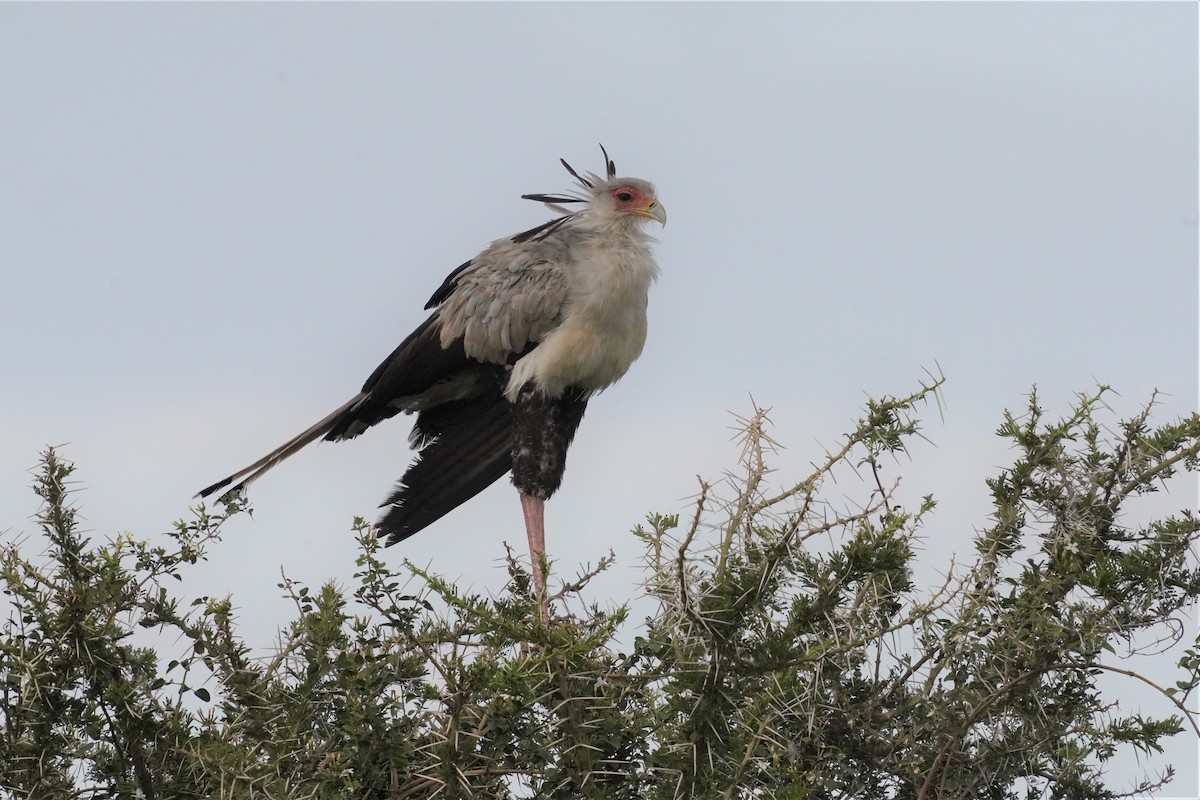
{"type": "Point", "coordinates": [504, 300]}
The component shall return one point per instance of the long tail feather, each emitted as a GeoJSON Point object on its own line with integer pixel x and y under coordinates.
{"type": "Point", "coordinates": [287, 449]}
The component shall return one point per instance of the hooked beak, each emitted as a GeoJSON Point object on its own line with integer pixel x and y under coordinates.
{"type": "Point", "coordinates": [655, 211]}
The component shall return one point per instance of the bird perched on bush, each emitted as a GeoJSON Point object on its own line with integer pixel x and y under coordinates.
{"type": "Point", "coordinates": [520, 338]}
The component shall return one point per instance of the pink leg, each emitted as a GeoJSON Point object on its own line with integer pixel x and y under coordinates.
{"type": "Point", "coordinates": [535, 529]}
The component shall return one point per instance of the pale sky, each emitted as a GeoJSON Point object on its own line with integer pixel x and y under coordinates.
{"type": "Point", "coordinates": [216, 219]}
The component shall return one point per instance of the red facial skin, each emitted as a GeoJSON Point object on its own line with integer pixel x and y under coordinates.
{"type": "Point", "coordinates": [629, 199]}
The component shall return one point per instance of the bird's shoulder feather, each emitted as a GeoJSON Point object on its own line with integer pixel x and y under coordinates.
{"type": "Point", "coordinates": [509, 296]}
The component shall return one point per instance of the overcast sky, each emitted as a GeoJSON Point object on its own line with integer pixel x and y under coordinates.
{"type": "Point", "coordinates": [215, 220]}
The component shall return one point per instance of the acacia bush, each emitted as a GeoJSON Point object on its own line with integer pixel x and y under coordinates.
{"type": "Point", "coordinates": [789, 655]}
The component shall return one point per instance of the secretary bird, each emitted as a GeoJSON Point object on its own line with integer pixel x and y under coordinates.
{"type": "Point", "coordinates": [500, 373]}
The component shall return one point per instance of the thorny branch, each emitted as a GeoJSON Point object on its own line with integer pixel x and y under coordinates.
{"type": "Point", "coordinates": [792, 653]}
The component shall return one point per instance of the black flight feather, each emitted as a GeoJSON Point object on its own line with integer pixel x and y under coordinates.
{"type": "Point", "coordinates": [447, 286]}
{"type": "Point", "coordinates": [468, 448]}
{"type": "Point", "coordinates": [412, 369]}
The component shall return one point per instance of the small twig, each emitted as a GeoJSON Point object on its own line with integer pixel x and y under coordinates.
{"type": "Point", "coordinates": [681, 562]}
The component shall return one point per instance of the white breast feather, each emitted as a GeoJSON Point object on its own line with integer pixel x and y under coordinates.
{"type": "Point", "coordinates": [603, 326]}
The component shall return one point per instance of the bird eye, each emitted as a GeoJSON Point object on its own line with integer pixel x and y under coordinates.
{"type": "Point", "coordinates": [624, 197]}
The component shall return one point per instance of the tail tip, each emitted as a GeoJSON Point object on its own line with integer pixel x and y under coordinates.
{"type": "Point", "coordinates": [205, 492]}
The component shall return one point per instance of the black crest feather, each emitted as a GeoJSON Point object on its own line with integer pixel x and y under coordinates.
{"type": "Point", "coordinates": [547, 228]}
{"type": "Point", "coordinates": [575, 174]}
{"type": "Point", "coordinates": [552, 198]}
{"type": "Point", "coordinates": [541, 231]}
{"type": "Point", "coordinates": [609, 165]}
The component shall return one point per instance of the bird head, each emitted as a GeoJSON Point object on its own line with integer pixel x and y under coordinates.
{"type": "Point", "coordinates": [610, 201]}
{"type": "Point", "coordinates": [631, 198]}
